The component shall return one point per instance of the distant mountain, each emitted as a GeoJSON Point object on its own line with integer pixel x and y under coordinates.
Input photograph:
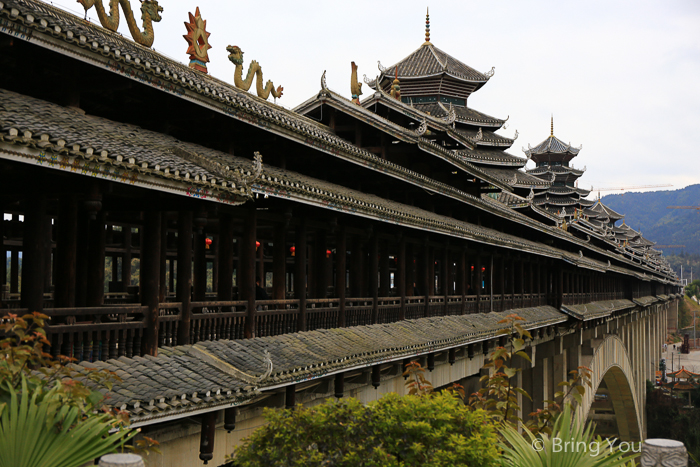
{"type": "Point", "coordinates": [648, 212]}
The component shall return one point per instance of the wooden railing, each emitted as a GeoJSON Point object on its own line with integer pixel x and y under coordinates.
{"type": "Point", "coordinates": [112, 331]}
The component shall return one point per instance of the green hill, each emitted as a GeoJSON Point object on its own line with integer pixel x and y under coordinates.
{"type": "Point", "coordinates": [648, 212]}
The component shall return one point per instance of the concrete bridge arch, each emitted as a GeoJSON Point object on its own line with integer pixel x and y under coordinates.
{"type": "Point", "coordinates": [611, 366]}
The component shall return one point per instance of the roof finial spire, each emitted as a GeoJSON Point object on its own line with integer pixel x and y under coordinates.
{"type": "Point", "coordinates": [427, 25]}
{"type": "Point", "coordinates": [552, 126]}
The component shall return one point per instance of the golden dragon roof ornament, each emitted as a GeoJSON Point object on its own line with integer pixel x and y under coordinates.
{"type": "Point", "coordinates": [355, 85]}
{"type": "Point", "coordinates": [198, 39]}
{"type": "Point", "coordinates": [255, 70]}
{"type": "Point", "coordinates": [150, 13]}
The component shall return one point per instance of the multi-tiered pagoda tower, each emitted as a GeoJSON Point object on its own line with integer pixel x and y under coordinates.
{"type": "Point", "coordinates": [553, 163]}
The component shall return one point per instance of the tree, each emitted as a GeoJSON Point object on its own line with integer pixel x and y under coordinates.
{"type": "Point", "coordinates": [426, 429]}
{"type": "Point", "coordinates": [51, 412]}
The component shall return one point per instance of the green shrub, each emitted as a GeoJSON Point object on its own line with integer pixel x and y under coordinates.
{"type": "Point", "coordinates": [435, 430]}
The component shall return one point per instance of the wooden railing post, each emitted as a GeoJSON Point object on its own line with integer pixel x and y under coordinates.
{"type": "Point", "coordinates": [184, 274]}
{"type": "Point", "coordinates": [149, 277]}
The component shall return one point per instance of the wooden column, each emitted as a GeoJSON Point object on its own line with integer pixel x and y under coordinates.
{"type": "Point", "coordinates": [3, 253]}
{"type": "Point", "coordinates": [502, 280]}
{"type": "Point", "coordinates": [479, 275]}
{"type": "Point", "coordinates": [184, 274]}
{"type": "Point", "coordinates": [260, 262]}
{"type": "Point", "coordinates": [150, 275]}
{"type": "Point", "coordinates": [81, 267]}
{"type": "Point", "coordinates": [206, 441]}
{"type": "Point", "coordinates": [462, 279]}
{"type": "Point", "coordinates": [445, 276]}
{"type": "Point", "coordinates": [385, 274]}
{"type": "Point", "coordinates": [279, 262]}
{"type": "Point", "coordinates": [126, 258]}
{"type": "Point", "coordinates": [247, 273]}
{"type": "Point", "coordinates": [321, 264]}
{"type": "Point", "coordinates": [431, 268]}
{"type": "Point", "coordinates": [163, 289]}
{"type": "Point", "coordinates": [374, 277]}
{"type": "Point", "coordinates": [66, 250]}
{"type": "Point", "coordinates": [340, 269]}
{"type": "Point", "coordinates": [427, 279]}
{"type": "Point", "coordinates": [96, 261]}
{"type": "Point", "coordinates": [34, 242]}
{"type": "Point", "coordinates": [300, 273]}
{"type": "Point", "coordinates": [225, 279]}
{"type": "Point", "coordinates": [559, 291]}
{"type": "Point", "coordinates": [199, 278]}
{"type": "Point", "coordinates": [401, 276]}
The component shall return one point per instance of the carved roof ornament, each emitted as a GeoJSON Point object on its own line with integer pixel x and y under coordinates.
{"type": "Point", "coordinates": [516, 135]}
{"type": "Point", "coordinates": [198, 39]}
{"type": "Point", "coordinates": [479, 136]}
{"type": "Point", "coordinates": [531, 196]}
{"type": "Point", "coordinates": [355, 85]}
{"type": "Point", "coordinates": [395, 86]}
{"type": "Point", "coordinates": [381, 69]}
{"type": "Point", "coordinates": [491, 72]}
{"type": "Point", "coordinates": [323, 81]}
{"type": "Point", "coordinates": [580, 254]}
{"type": "Point", "coordinates": [235, 56]}
{"type": "Point", "coordinates": [422, 128]}
{"type": "Point", "coordinates": [451, 115]}
{"type": "Point", "coordinates": [150, 13]}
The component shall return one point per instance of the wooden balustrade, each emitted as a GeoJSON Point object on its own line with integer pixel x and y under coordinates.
{"type": "Point", "coordinates": [112, 331]}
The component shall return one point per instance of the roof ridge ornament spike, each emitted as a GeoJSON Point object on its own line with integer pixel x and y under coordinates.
{"type": "Point", "coordinates": [552, 126]}
{"type": "Point", "coordinates": [381, 68]}
{"type": "Point", "coordinates": [427, 25]}
{"type": "Point", "coordinates": [323, 81]}
{"type": "Point", "coordinates": [516, 135]}
{"type": "Point", "coordinates": [489, 74]}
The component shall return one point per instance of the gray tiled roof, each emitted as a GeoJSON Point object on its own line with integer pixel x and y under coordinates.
{"type": "Point", "coordinates": [222, 373]}
{"type": "Point", "coordinates": [488, 138]}
{"type": "Point", "coordinates": [493, 157]}
{"type": "Point", "coordinates": [516, 178]}
{"type": "Point", "coordinates": [464, 114]}
{"type": "Point", "coordinates": [552, 145]}
{"type": "Point", "coordinates": [595, 310]}
{"type": "Point", "coordinates": [428, 60]}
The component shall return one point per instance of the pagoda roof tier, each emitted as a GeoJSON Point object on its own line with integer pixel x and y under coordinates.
{"type": "Point", "coordinates": [611, 214]}
{"type": "Point", "coordinates": [465, 115]}
{"type": "Point", "coordinates": [541, 199]}
{"type": "Point", "coordinates": [433, 111]}
{"type": "Point", "coordinates": [515, 178]}
{"type": "Point", "coordinates": [551, 145]}
{"type": "Point", "coordinates": [485, 138]}
{"type": "Point", "coordinates": [496, 157]}
{"type": "Point", "coordinates": [567, 190]}
{"type": "Point", "coordinates": [430, 62]}
{"type": "Point", "coordinates": [556, 170]}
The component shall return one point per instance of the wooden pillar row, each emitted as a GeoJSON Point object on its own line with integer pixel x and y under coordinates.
{"type": "Point", "coordinates": [149, 277]}
{"type": "Point", "coordinates": [66, 251]}
{"type": "Point", "coordinates": [184, 274]}
{"type": "Point", "coordinates": [340, 271]}
{"type": "Point", "coordinates": [247, 283]}
{"type": "Point", "coordinates": [300, 273]}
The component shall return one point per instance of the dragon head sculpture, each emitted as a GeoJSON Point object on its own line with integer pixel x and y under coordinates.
{"type": "Point", "coordinates": [235, 54]}
{"type": "Point", "coordinates": [151, 9]}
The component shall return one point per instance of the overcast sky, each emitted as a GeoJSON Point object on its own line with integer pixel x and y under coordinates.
{"type": "Point", "coordinates": [621, 77]}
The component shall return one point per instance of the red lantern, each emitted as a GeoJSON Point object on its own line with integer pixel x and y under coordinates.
{"type": "Point", "coordinates": [472, 267]}
{"type": "Point", "coordinates": [257, 245]}
{"type": "Point", "coordinates": [207, 241]}
{"type": "Point", "coordinates": [483, 269]}
{"type": "Point", "coordinates": [292, 250]}
{"type": "Point", "coordinates": [328, 253]}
